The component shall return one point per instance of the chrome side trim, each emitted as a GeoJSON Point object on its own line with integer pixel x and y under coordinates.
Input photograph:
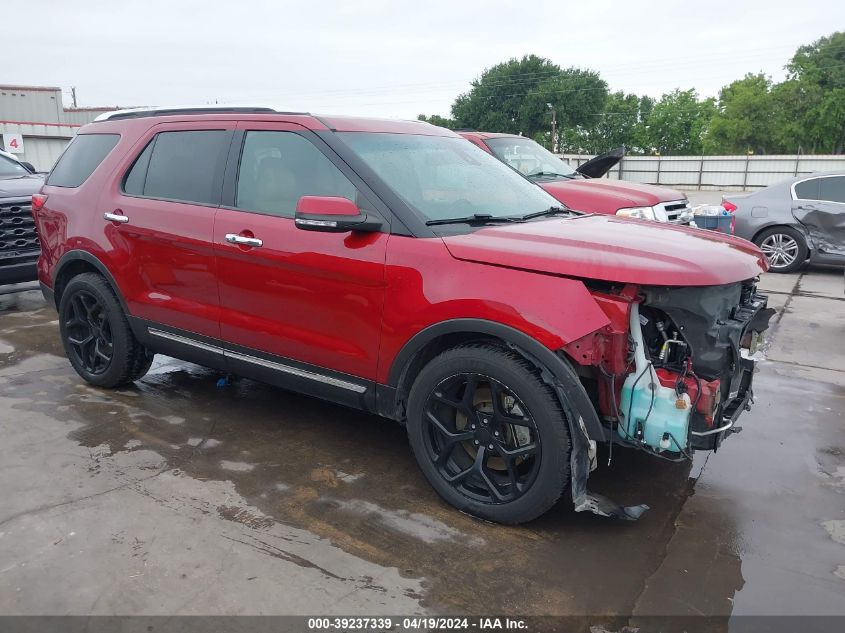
{"type": "Point", "coordinates": [294, 371]}
{"type": "Point", "coordinates": [269, 364]}
{"type": "Point", "coordinates": [184, 340]}
{"type": "Point", "coordinates": [713, 431]}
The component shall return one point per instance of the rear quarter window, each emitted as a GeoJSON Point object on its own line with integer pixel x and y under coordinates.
{"type": "Point", "coordinates": [81, 158]}
{"type": "Point", "coordinates": [807, 190]}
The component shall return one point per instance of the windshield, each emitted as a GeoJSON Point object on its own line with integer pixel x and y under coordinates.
{"type": "Point", "coordinates": [446, 177]}
{"type": "Point", "coordinates": [11, 169]}
{"type": "Point", "coordinates": [529, 158]}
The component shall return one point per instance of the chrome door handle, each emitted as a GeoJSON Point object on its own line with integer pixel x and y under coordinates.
{"type": "Point", "coordinates": [234, 238]}
{"type": "Point", "coordinates": [114, 217]}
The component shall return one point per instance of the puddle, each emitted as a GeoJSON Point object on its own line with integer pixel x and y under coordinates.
{"type": "Point", "coordinates": [241, 467]}
{"type": "Point", "coordinates": [415, 524]}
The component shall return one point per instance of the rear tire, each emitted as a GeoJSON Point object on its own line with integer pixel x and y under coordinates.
{"type": "Point", "coordinates": [784, 247]}
{"type": "Point", "coordinates": [489, 434]}
{"type": "Point", "coordinates": [96, 335]}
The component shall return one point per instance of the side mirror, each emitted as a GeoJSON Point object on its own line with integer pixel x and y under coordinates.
{"type": "Point", "coordinates": [29, 166]}
{"type": "Point", "coordinates": [332, 215]}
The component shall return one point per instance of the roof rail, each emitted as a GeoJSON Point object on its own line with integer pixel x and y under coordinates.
{"type": "Point", "coordinates": [136, 113]}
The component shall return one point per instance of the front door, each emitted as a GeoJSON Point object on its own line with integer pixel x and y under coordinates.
{"type": "Point", "coordinates": [305, 303]}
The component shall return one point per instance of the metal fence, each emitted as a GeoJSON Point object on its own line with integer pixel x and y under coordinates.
{"type": "Point", "coordinates": [716, 172]}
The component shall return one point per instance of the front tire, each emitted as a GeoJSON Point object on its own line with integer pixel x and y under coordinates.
{"type": "Point", "coordinates": [96, 334]}
{"type": "Point", "coordinates": [784, 248]}
{"type": "Point", "coordinates": [489, 434]}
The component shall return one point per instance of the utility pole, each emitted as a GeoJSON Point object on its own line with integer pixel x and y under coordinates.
{"type": "Point", "coordinates": [73, 95]}
{"type": "Point", "coordinates": [554, 128]}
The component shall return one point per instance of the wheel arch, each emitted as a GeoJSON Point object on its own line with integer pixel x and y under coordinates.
{"type": "Point", "coordinates": [436, 338]}
{"type": "Point", "coordinates": [75, 263]}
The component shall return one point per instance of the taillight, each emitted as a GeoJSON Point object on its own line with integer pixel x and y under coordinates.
{"type": "Point", "coordinates": [38, 200]}
{"type": "Point", "coordinates": [731, 208]}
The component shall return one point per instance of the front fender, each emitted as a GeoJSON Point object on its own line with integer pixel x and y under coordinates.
{"type": "Point", "coordinates": [426, 286]}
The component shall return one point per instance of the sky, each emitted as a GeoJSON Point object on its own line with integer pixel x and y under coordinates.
{"type": "Point", "coordinates": [390, 59]}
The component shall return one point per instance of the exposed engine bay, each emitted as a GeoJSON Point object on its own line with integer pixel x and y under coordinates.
{"type": "Point", "coordinates": [670, 374]}
{"type": "Point", "coordinates": [692, 372]}
{"type": "Point", "coordinates": [675, 367]}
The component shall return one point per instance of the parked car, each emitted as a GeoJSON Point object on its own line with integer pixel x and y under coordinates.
{"type": "Point", "coordinates": [583, 188]}
{"type": "Point", "coordinates": [798, 220]}
{"type": "Point", "coordinates": [392, 267]}
{"type": "Point", "coordinates": [19, 247]}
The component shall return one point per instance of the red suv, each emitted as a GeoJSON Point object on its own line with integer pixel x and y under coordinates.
{"type": "Point", "coordinates": [582, 188]}
{"type": "Point", "coordinates": [393, 267]}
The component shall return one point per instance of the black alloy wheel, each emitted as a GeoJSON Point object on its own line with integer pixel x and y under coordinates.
{"type": "Point", "coordinates": [96, 334]}
{"type": "Point", "coordinates": [489, 434]}
{"type": "Point", "coordinates": [481, 438]}
{"type": "Point", "coordinates": [89, 333]}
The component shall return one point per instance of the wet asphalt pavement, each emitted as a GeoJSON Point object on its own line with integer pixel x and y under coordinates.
{"type": "Point", "coordinates": [179, 496]}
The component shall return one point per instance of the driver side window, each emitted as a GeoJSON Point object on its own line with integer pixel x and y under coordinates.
{"type": "Point", "coordinates": [278, 168]}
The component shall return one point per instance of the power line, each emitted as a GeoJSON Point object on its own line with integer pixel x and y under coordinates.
{"type": "Point", "coordinates": [518, 78]}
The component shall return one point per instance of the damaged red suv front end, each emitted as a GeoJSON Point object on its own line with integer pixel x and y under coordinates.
{"type": "Point", "coordinates": [688, 347]}
{"type": "Point", "coordinates": [671, 371]}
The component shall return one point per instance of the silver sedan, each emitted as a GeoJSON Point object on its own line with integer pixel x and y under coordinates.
{"type": "Point", "coordinates": [794, 221]}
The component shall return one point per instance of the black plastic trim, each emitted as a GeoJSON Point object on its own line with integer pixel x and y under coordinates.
{"type": "Point", "coordinates": [18, 273]}
{"type": "Point", "coordinates": [79, 255]}
{"type": "Point", "coordinates": [291, 374]}
{"type": "Point", "coordinates": [532, 349]}
{"type": "Point", "coordinates": [141, 114]}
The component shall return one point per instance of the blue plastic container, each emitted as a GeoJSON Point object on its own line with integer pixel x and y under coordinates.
{"type": "Point", "coordinates": [719, 223]}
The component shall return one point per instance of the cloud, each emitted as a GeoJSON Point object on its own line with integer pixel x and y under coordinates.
{"type": "Point", "coordinates": [388, 58]}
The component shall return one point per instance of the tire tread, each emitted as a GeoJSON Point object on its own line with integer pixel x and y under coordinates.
{"type": "Point", "coordinates": [558, 481]}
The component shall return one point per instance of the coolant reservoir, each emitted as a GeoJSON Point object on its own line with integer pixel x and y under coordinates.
{"type": "Point", "coordinates": [651, 413]}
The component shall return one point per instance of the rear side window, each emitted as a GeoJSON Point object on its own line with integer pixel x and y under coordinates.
{"type": "Point", "coordinates": [832, 189]}
{"type": "Point", "coordinates": [807, 190]}
{"type": "Point", "coordinates": [81, 158]}
{"type": "Point", "coordinates": [184, 166]}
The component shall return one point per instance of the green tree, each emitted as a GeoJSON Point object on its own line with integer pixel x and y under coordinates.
{"type": "Point", "coordinates": [622, 123]}
{"type": "Point", "coordinates": [817, 78]}
{"type": "Point", "coordinates": [517, 96]}
{"type": "Point", "coordinates": [678, 122]}
{"type": "Point", "coordinates": [745, 120]}
{"type": "Point", "coordinates": [436, 119]}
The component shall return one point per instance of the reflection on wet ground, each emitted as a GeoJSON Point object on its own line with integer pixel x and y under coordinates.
{"type": "Point", "coordinates": [254, 500]}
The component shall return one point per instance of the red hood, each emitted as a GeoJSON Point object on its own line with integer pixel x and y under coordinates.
{"type": "Point", "coordinates": [614, 249]}
{"type": "Point", "coordinates": [600, 195]}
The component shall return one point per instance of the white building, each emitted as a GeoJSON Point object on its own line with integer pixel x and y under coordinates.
{"type": "Point", "coordinates": [35, 125]}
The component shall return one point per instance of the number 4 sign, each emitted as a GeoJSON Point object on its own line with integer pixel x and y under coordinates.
{"type": "Point", "coordinates": [13, 143]}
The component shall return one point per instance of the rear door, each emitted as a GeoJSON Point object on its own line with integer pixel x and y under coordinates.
{"type": "Point", "coordinates": [819, 204]}
{"type": "Point", "coordinates": [305, 305]}
{"type": "Point", "coordinates": [159, 220]}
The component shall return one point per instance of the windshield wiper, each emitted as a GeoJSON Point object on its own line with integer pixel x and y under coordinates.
{"type": "Point", "coordinates": [542, 174]}
{"type": "Point", "coordinates": [549, 211]}
{"type": "Point", "coordinates": [477, 218]}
